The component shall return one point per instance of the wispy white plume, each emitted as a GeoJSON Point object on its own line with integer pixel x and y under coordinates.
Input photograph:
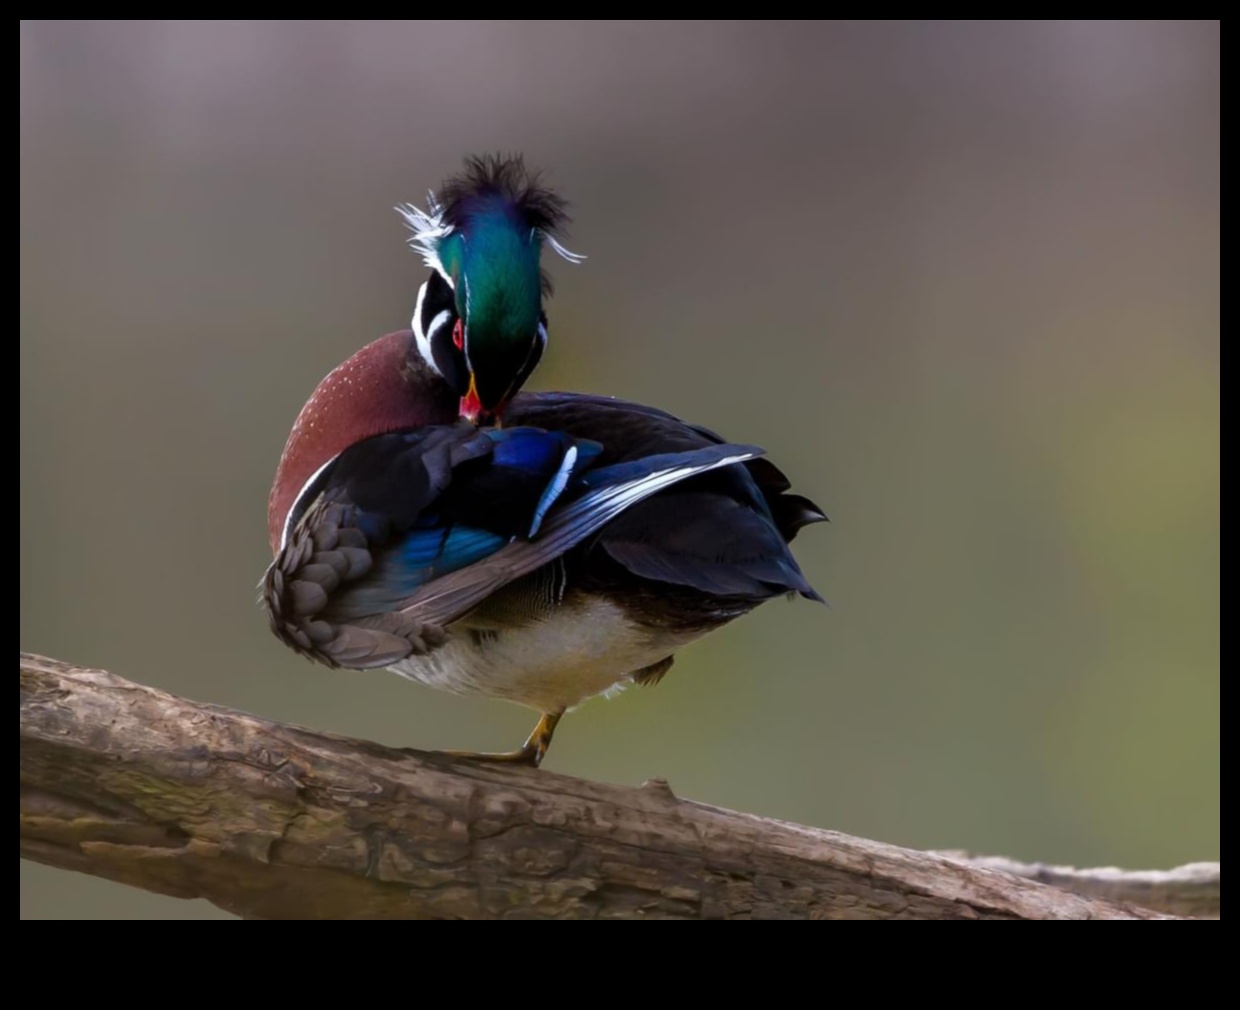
{"type": "Point", "coordinates": [428, 229]}
{"type": "Point", "coordinates": [568, 254]}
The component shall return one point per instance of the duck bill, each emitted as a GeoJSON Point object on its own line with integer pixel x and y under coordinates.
{"type": "Point", "coordinates": [472, 409]}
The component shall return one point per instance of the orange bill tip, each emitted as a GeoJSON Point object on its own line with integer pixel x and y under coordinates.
{"type": "Point", "coordinates": [471, 406]}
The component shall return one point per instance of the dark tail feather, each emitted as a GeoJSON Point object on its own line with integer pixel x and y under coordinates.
{"type": "Point", "coordinates": [792, 512]}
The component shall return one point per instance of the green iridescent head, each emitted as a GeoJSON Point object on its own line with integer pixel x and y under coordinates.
{"type": "Point", "coordinates": [479, 320]}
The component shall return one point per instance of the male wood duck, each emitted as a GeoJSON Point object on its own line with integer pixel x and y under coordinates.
{"type": "Point", "coordinates": [429, 518]}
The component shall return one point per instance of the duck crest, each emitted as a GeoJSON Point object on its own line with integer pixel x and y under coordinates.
{"type": "Point", "coordinates": [492, 193]}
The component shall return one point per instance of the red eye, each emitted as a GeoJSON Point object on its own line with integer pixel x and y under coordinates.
{"type": "Point", "coordinates": [458, 335]}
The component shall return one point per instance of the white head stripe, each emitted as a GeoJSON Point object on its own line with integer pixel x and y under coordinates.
{"type": "Point", "coordinates": [423, 338]}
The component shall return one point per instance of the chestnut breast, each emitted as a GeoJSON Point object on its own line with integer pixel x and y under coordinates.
{"type": "Point", "coordinates": [386, 386]}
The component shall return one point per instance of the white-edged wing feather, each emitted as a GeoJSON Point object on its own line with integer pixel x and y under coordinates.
{"type": "Point", "coordinates": [451, 597]}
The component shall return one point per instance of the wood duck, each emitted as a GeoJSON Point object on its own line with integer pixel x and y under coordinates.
{"type": "Point", "coordinates": [429, 518]}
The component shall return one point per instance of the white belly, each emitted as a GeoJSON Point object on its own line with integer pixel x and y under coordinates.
{"type": "Point", "coordinates": [549, 664]}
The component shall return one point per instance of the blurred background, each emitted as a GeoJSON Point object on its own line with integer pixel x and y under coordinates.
{"type": "Point", "coordinates": [961, 279]}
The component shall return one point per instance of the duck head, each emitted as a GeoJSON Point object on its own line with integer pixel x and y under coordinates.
{"type": "Point", "coordinates": [479, 319]}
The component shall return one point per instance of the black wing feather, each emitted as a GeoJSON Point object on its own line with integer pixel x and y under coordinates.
{"type": "Point", "coordinates": [725, 533]}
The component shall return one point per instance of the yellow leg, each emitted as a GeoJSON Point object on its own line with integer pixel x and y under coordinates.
{"type": "Point", "coordinates": [531, 753]}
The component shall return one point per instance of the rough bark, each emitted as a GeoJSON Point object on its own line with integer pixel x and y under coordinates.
{"type": "Point", "coordinates": [272, 821]}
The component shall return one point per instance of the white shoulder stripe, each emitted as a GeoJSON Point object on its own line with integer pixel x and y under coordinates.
{"type": "Point", "coordinates": [295, 508]}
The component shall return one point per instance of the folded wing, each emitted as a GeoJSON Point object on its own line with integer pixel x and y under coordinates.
{"type": "Point", "coordinates": [723, 534]}
{"type": "Point", "coordinates": [404, 533]}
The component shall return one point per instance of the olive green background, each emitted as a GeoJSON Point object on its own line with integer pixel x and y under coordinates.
{"type": "Point", "coordinates": [961, 279]}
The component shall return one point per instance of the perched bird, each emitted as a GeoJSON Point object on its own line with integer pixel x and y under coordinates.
{"type": "Point", "coordinates": [571, 550]}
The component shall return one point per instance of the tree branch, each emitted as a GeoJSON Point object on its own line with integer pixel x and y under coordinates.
{"type": "Point", "coordinates": [272, 821]}
{"type": "Point", "coordinates": [1191, 890]}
